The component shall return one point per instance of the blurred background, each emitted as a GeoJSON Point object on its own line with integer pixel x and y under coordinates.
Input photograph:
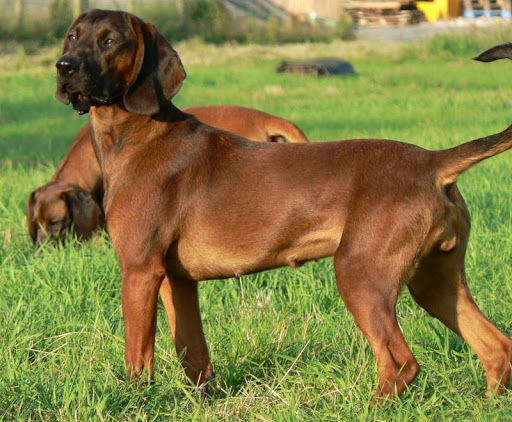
{"type": "Point", "coordinates": [257, 21]}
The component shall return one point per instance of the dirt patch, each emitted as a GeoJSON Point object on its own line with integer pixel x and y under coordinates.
{"type": "Point", "coordinates": [425, 30]}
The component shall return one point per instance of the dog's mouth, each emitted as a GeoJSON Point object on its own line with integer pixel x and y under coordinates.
{"type": "Point", "coordinates": [81, 102]}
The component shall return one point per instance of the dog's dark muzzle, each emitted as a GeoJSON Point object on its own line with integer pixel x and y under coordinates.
{"type": "Point", "coordinates": [74, 84]}
{"type": "Point", "coordinates": [68, 90]}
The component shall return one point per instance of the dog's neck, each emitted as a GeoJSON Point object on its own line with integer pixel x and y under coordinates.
{"type": "Point", "coordinates": [113, 126]}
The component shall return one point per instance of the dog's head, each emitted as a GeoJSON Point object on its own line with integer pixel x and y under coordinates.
{"type": "Point", "coordinates": [56, 207]}
{"type": "Point", "coordinates": [503, 51]}
{"type": "Point", "coordinates": [112, 57]}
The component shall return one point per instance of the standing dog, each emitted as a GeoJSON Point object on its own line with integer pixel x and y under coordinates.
{"type": "Point", "coordinates": [74, 195]}
{"type": "Point", "coordinates": [209, 205]}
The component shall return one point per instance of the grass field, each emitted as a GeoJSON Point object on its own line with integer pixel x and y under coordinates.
{"type": "Point", "coordinates": [283, 345]}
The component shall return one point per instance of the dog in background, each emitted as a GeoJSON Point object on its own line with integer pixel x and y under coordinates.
{"type": "Point", "coordinates": [73, 197]}
{"type": "Point", "coordinates": [186, 202]}
{"type": "Point", "coordinates": [248, 123]}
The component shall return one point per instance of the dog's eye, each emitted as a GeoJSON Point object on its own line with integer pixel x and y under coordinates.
{"type": "Point", "coordinates": [110, 41]}
{"type": "Point", "coordinates": [71, 37]}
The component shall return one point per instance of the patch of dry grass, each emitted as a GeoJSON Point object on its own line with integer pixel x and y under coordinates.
{"type": "Point", "coordinates": [28, 57]}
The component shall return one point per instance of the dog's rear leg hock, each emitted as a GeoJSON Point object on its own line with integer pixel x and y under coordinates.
{"type": "Point", "coordinates": [371, 295]}
{"type": "Point", "coordinates": [447, 298]}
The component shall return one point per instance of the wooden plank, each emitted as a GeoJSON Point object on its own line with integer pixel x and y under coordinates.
{"type": "Point", "coordinates": [20, 13]}
{"type": "Point", "coordinates": [374, 17]}
{"type": "Point", "coordinates": [395, 5]}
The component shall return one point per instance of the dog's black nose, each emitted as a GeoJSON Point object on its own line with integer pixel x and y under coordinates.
{"type": "Point", "coordinates": [67, 65]}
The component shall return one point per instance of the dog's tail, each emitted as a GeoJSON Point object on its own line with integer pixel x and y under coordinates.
{"type": "Point", "coordinates": [278, 129]}
{"type": "Point", "coordinates": [454, 161]}
{"type": "Point", "coordinates": [503, 51]}
{"type": "Point", "coordinates": [450, 163]}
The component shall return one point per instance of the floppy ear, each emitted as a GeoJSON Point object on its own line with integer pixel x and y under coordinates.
{"type": "Point", "coordinates": [31, 217]}
{"type": "Point", "coordinates": [503, 51]}
{"type": "Point", "coordinates": [60, 94]}
{"type": "Point", "coordinates": [158, 72]}
{"type": "Point", "coordinates": [85, 212]}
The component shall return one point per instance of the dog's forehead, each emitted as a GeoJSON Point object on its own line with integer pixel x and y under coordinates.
{"type": "Point", "coordinates": [97, 20]}
{"type": "Point", "coordinates": [51, 191]}
{"type": "Point", "coordinates": [54, 205]}
{"type": "Point", "coordinates": [51, 207]}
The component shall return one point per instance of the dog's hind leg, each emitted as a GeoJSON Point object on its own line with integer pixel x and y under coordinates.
{"type": "Point", "coordinates": [369, 283]}
{"type": "Point", "coordinates": [181, 302]}
{"type": "Point", "coordinates": [443, 292]}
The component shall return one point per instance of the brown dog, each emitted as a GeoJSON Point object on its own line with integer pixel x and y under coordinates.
{"type": "Point", "coordinates": [211, 205]}
{"type": "Point", "coordinates": [74, 195]}
{"type": "Point", "coordinates": [248, 123]}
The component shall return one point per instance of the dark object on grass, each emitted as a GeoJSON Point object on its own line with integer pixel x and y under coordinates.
{"type": "Point", "coordinates": [503, 51]}
{"type": "Point", "coordinates": [318, 67]}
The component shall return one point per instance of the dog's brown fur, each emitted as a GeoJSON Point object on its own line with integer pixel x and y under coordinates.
{"type": "Point", "coordinates": [186, 202]}
{"type": "Point", "coordinates": [72, 197]}
{"type": "Point", "coordinates": [248, 123]}
{"type": "Point", "coordinates": [49, 212]}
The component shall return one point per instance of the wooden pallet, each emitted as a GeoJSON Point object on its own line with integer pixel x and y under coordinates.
{"type": "Point", "coordinates": [489, 8]}
{"type": "Point", "coordinates": [387, 13]}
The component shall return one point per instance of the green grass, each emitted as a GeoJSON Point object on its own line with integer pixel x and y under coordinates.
{"type": "Point", "coordinates": [283, 345]}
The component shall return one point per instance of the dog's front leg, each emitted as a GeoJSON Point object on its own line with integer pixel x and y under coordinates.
{"type": "Point", "coordinates": [181, 302]}
{"type": "Point", "coordinates": [140, 296]}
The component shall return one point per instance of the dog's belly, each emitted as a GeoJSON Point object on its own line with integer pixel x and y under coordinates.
{"type": "Point", "coordinates": [204, 258]}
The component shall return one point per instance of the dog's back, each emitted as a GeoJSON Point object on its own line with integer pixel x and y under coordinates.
{"type": "Point", "coordinates": [249, 123]}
